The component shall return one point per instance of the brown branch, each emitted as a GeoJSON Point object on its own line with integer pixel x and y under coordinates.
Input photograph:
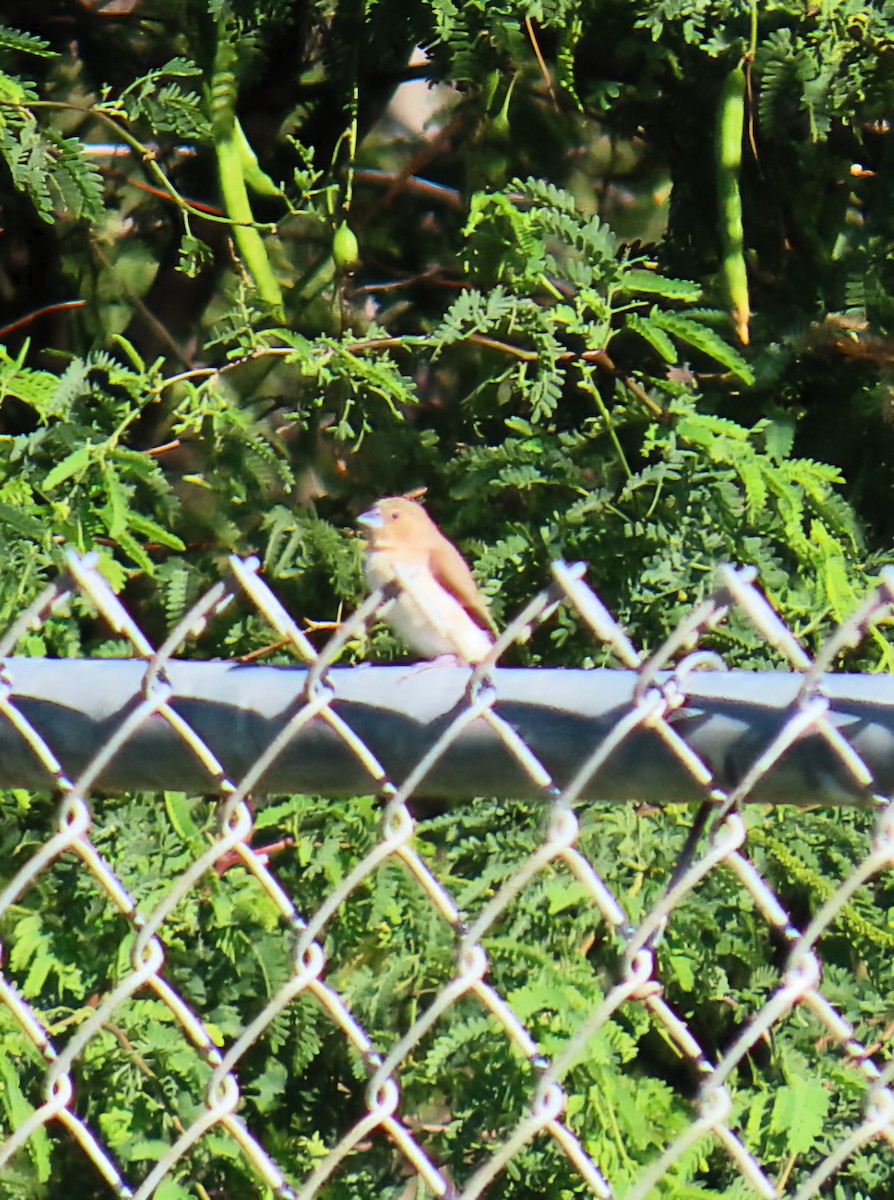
{"type": "Point", "coordinates": [529, 29]}
{"type": "Point", "coordinates": [41, 312]}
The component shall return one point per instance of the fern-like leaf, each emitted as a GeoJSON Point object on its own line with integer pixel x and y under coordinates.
{"type": "Point", "coordinates": [641, 282]}
{"type": "Point", "coordinates": [700, 337]}
{"type": "Point", "coordinates": [24, 43]}
{"type": "Point", "coordinates": [653, 334]}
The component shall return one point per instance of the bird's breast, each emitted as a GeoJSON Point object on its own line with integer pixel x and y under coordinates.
{"type": "Point", "coordinates": [426, 615]}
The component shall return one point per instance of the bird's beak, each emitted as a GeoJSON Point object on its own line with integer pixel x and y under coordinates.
{"type": "Point", "coordinates": [371, 518]}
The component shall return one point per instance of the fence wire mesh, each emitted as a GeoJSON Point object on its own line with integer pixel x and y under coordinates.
{"type": "Point", "coordinates": [597, 1140]}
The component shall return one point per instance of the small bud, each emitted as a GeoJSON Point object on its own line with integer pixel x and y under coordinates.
{"type": "Point", "coordinates": [345, 249]}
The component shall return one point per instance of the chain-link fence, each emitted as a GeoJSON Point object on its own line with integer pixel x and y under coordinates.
{"type": "Point", "coordinates": [517, 1003]}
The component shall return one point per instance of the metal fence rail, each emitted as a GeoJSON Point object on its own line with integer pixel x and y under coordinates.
{"type": "Point", "coordinates": [675, 726]}
{"type": "Point", "coordinates": [728, 718]}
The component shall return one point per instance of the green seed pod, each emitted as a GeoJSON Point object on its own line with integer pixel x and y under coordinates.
{"type": "Point", "coordinates": [255, 176]}
{"type": "Point", "coordinates": [230, 172]}
{"type": "Point", "coordinates": [730, 131]}
{"type": "Point", "coordinates": [223, 85]}
{"type": "Point", "coordinates": [345, 249]}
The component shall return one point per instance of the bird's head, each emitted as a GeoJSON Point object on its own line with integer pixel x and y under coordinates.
{"type": "Point", "coordinates": [396, 522]}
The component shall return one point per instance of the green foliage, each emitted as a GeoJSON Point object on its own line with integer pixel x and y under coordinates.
{"type": "Point", "coordinates": [163, 104]}
{"type": "Point", "coordinates": [389, 954]}
{"type": "Point", "coordinates": [239, 299]}
{"type": "Point", "coordinates": [52, 170]}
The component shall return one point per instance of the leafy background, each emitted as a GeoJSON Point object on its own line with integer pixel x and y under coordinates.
{"type": "Point", "coordinates": [237, 291]}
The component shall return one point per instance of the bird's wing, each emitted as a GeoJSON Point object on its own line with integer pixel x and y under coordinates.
{"type": "Point", "coordinates": [452, 572]}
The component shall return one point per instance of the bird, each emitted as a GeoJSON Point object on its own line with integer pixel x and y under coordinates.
{"type": "Point", "coordinates": [439, 612]}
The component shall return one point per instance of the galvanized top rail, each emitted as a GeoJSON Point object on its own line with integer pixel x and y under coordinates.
{"type": "Point", "coordinates": [729, 719]}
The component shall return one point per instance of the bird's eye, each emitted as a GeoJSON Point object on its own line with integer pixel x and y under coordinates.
{"type": "Point", "coordinates": [394, 514]}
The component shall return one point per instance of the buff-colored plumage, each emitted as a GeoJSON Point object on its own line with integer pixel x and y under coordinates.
{"type": "Point", "coordinates": [440, 610]}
